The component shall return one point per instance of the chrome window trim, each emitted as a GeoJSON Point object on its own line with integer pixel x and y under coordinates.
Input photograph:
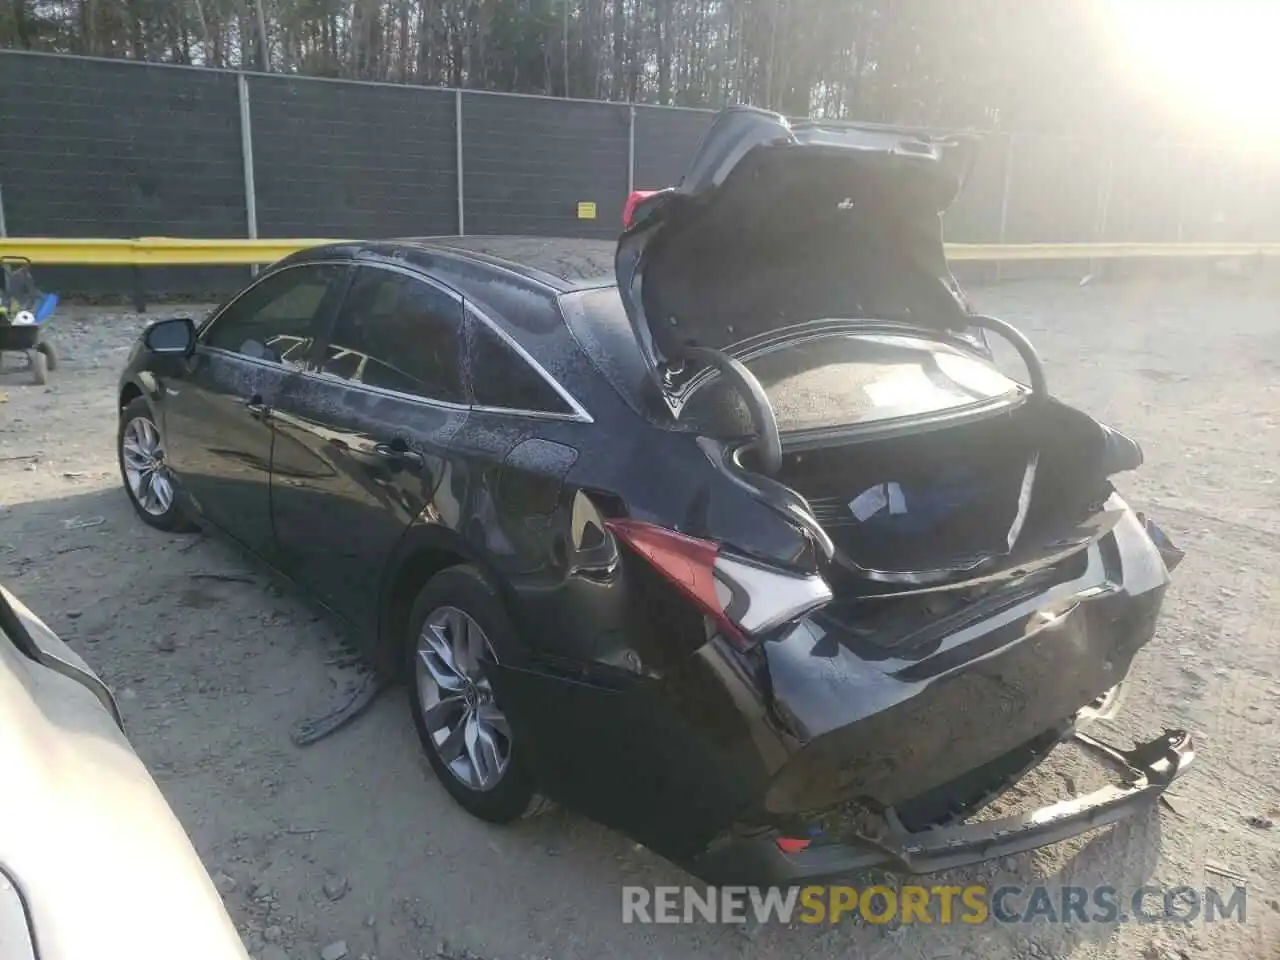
{"type": "Point", "coordinates": [256, 361]}
{"type": "Point", "coordinates": [579, 413]}
{"type": "Point", "coordinates": [335, 380]}
{"type": "Point", "coordinates": [330, 378]}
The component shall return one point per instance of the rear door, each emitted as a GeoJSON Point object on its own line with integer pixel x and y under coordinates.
{"type": "Point", "coordinates": [218, 427]}
{"type": "Point", "coordinates": [363, 435]}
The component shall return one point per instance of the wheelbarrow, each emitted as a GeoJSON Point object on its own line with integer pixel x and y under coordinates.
{"type": "Point", "coordinates": [24, 310]}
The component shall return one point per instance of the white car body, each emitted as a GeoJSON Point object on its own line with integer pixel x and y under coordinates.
{"type": "Point", "coordinates": [93, 862]}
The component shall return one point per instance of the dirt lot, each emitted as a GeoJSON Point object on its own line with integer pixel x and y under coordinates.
{"type": "Point", "coordinates": [352, 839]}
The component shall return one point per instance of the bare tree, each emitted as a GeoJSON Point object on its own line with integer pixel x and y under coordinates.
{"type": "Point", "coordinates": [926, 61]}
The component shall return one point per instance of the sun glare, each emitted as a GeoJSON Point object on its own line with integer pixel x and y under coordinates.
{"type": "Point", "coordinates": [1209, 61]}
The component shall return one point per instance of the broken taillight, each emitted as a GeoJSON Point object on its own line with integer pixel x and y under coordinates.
{"type": "Point", "coordinates": [792, 844]}
{"type": "Point", "coordinates": [633, 201]}
{"type": "Point", "coordinates": [745, 598]}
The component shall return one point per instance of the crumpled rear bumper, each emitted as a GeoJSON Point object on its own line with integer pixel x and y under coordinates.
{"type": "Point", "coordinates": [773, 860]}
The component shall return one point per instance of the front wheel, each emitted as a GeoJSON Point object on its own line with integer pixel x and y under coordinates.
{"type": "Point", "coordinates": [456, 622]}
{"type": "Point", "coordinates": [147, 478]}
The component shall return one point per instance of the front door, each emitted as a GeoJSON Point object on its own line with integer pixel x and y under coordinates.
{"type": "Point", "coordinates": [217, 415]}
{"type": "Point", "coordinates": [362, 436]}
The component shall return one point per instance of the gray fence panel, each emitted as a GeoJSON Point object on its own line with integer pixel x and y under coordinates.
{"type": "Point", "coordinates": [100, 148]}
{"type": "Point", "coordinates": [529, 162]}
{"type": "Point", "coordinates": [92, 148]}
{"type": "Point", "coordinates": [975, 215]}
{"type": "Point", "coordinates": [1054, 190]}
{"type": "Point", "coordinates": [1266, 183]}
{"type": "Point", "coordinates": [1244, 205]}
{"type": "Point", "coordinates": [1146, 196]}
{"type": "Point", "coordinates": [665, 143]}
{"type": "Point", "coordinates": [352, 160]}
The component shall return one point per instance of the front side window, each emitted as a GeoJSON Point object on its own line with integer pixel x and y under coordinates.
{"type": "Point", "coordinates": [275, 319]}
{"type": "Point", "coordinates": [397, 332]}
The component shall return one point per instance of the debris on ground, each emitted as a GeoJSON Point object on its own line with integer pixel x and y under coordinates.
{"type": "Point", "coordinates": [1218, 870]}
{"type": "Point", "coordinates": [222, 577]}
{"type": "Point", "coordinates": [78, 523]}
{"type": "Point", "coordinates": [351, 702]}
{"type": "Point", "coordinates": [1259, 822]}
{"type": "Point", "coordinates": [226, 884]}
{"type": "Point", "coordinates": [334, 951]}
{"type": "Point", "coordinates": [1161, 951]}
{"type": "Point", "coordinates": [335, 888]}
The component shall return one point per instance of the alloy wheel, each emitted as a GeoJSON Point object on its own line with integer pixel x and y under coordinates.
{"type": "Point", "coordinates": [470, 734]}
{"type": "Point", "coordinates": [144, 467]}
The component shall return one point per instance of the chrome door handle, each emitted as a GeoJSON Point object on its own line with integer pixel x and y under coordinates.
{"type": "Point", "coordinates": [257, 409]}
{"type": "Point", "coordinates": [398, 454]}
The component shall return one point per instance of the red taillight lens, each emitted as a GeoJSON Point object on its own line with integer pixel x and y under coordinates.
{"type": "Point", "coordinates": [744, 597]}
{"type": "Point", "coordinates": [687, 562]}
{"type": "Point", "coordinates": [792, 844]}
{"type": "Point", "coordinates": [633, 201]}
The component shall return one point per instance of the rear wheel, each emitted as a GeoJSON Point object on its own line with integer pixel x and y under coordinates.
{"type": "Point", "coordinates": [147, 478]}
{"type": "Point", "coordinates": [51, 355]}
{"type": "Point", "coordinates": [455, 625]}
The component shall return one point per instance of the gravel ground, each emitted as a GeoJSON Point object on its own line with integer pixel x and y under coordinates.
{"type": "Point", "coordinates": [353, 840]}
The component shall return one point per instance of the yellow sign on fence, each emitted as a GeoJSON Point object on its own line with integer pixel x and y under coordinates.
{"type": "Point", "coordinates": [586, 210]}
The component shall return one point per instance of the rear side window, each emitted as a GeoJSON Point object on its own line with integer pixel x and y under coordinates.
{"type": "Point", "coordinates": [502, 379]}
{"type": "Point", "coordinates": [397, 332]}
{"type": "Point", "coordinates": [274, 319]}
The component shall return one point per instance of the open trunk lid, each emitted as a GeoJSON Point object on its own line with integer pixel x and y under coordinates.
{"type": "Point", "coordinates": [775, 224]}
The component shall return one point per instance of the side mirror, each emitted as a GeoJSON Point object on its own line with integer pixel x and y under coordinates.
{"type": "Point", "coordinates": [171, 337]}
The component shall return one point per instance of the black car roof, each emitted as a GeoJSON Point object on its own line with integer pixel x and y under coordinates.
{"type": "Point", "coordinates": [558, 264]}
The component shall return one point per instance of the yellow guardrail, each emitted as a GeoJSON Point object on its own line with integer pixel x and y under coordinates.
{"type": "Point", "coordinates": [1108, 251]}
{"type": "Point", "coordinates": [152, 251]}
{"type": "Point", "coordinates": [181, 251]}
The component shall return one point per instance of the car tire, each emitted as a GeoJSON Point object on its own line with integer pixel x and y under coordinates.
{"type": "Point", "coordinates": [151, 488]}
{"type": "Point", "coordinates": [39, 367]}
{"type": "Point", "coordinates": [50, 354]}
{"type": "Point", "coordinates": [467, 739]}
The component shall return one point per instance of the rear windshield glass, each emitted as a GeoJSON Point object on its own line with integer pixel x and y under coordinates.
{"type": "Point", "coordinates": [846, 379]}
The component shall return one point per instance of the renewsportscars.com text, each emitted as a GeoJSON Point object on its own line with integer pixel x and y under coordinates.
{"type": "Point", "coordinates": [974, 904]}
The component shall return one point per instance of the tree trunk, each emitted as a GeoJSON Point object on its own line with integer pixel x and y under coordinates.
{"type": "Point", "coordinates": [619, 73]}
{"type": "Point", "coordinates": [663, 37]}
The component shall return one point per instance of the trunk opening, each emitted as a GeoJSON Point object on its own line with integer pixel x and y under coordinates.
{"type": "Point", "coordinates": [951, 505]}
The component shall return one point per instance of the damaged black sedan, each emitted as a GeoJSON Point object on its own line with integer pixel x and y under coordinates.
{"type": "Point", "coordinates": [731, 536]}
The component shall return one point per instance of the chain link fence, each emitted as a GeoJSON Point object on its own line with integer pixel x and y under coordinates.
{"type": "Point", "coordinates": [110, 148]}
